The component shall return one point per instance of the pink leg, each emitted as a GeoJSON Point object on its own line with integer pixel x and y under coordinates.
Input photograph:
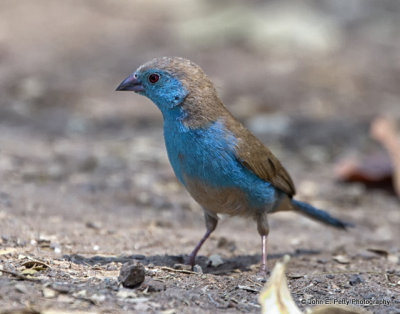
{"type": "Point", "coordinates": [264, 243]}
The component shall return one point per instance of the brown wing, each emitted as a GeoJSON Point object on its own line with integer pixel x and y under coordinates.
{"type": "Point", "coordinates": [256, 157]}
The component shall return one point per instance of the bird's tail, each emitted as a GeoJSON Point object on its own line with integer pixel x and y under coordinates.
{"type": "Point", "coordinates": [319, 215]}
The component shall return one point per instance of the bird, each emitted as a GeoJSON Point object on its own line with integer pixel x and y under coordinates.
{"type": "Point", "coordinates": [223, 166]}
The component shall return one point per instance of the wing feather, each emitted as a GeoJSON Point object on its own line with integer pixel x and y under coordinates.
{"type": "Point", "coordinates": [256, 157]}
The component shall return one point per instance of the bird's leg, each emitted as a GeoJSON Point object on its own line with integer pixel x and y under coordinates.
{"type": "Point", "coordinates": [211, 224]}
{"type": "Point", "coordinates": [263, 230]}
{"type": "Point", "coordinates": [192, 256]}
{"type": "Point", "coordinates": [264, 249]}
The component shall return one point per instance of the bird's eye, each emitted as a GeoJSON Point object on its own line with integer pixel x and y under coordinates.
{"type": "Point", "coordinates": [153, 78]}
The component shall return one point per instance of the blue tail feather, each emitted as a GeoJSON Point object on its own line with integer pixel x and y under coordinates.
{"type": "Point", "coordinates": [320, 215]}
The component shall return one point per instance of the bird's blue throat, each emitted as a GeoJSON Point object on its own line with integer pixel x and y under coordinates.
{"type": "Point", "coordinates": [166, 96]}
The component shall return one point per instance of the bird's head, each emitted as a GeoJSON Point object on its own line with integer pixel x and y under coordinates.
{"type": "Point", "coordinates": [168, 82]}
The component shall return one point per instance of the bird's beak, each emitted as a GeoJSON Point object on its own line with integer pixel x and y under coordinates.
{"type": "Point", "coordinates": [131, 83]}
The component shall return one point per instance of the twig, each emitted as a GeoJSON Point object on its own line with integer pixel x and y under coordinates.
{"type": "Point", "coordinates": [254, 282]}
{"type": "Point", "coordinates": [184, 271]}
{"type": "Point", "coordinates": [19, 276]}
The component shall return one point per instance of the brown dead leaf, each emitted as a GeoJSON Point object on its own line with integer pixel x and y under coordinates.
{"type": "Point", "coordinates": [376, 168]}
{"type": "Point", "coordinates": [36, 265]}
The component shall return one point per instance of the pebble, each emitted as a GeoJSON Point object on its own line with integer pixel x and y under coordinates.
{"type": "Point", "coordinates": [355, 280]}
{"type": "Point", "coordinates": [131, 274]}
{"type": "Point", "coordinates": [215, 260]}
{"type": "Point", "coordinates": [197, 269]}
{"type": "Point", "coordinates": [155, 286]}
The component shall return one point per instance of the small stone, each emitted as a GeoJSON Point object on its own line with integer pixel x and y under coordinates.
{"type": "Point", "coordinates": [342, 259]}
{"type": "Point", "coordinates": [355, 280]}
{"type": "Point", "coordinates": [155, 286]}
{"type": "Point", "coordinates": [330, 276]}
{"type": "Point", "coordinates": [49, 293]}
{"type": "Point", "coordinates": [131, 274]}
{"type": "Point", "coordinates": [197, 269]}
{"type": "Point", "coordinates": [215, 260]}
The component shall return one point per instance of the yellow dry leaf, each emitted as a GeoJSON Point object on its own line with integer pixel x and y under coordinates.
{"type": "Point", "coordinates": [275, 297]}
{"type": "Point", "coordinates": [29, 271]}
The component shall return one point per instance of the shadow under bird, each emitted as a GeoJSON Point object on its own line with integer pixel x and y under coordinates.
{"type": "Point", "coordinates": [225, 168]}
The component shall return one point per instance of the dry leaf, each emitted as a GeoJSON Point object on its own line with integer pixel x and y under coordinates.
{"type": "Point", "coordinates": [36, 265]}
{"type": "Point", "coordinates": [29, 271]}
{"type": "Point", "coordinates": [342, 259]}
{"type": "Point", "coordinates": [275, 297]}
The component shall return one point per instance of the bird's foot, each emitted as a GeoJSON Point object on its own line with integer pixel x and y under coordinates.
{"type": "Point", "coordinates": [192, 261]}
{"type": "Point", "coordinates": [263, 272]}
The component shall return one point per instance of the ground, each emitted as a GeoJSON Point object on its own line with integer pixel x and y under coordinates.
{"type": "Point", "coordinates": [83, 206]}
{"type": "Point", "coordinates": [86, 185]}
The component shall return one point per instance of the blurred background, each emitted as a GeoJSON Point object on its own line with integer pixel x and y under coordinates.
{"type": "Point", "coordinates": [333, 59]}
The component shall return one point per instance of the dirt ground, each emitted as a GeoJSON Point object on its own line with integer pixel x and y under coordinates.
{"type": "Point", "coordinates": [86, 185]}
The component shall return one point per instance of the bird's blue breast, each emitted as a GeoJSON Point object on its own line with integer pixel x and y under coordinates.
{"type": "Point", "coordinates": [207, 155]}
